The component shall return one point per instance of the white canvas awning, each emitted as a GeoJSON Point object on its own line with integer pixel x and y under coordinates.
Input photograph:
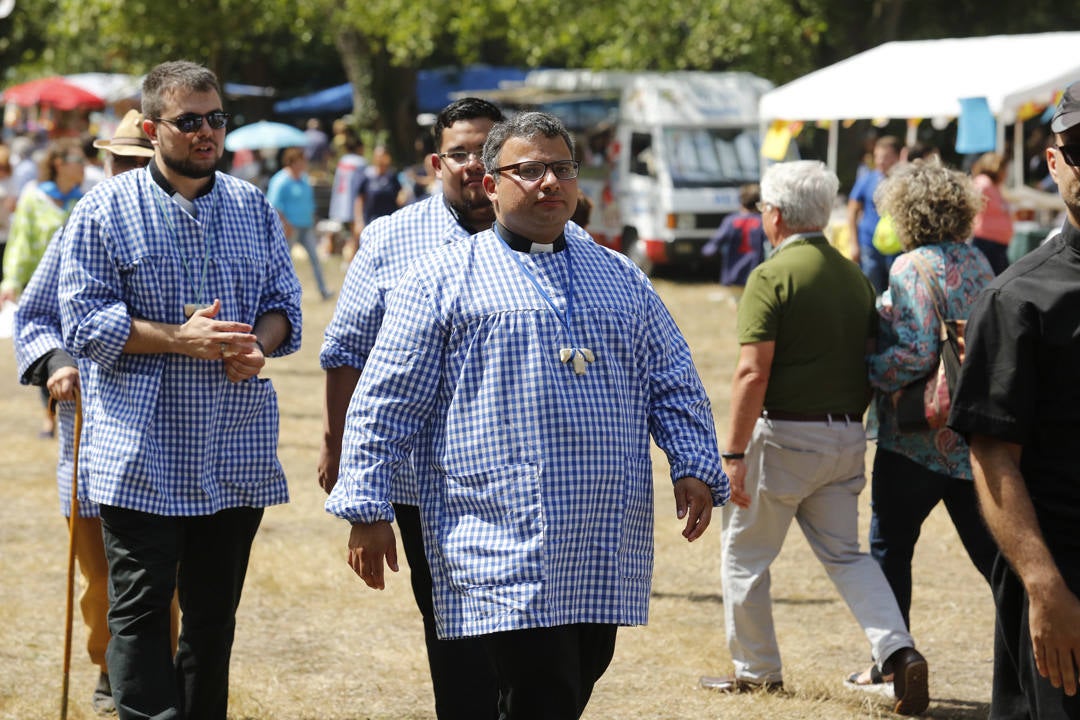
{"type": "Point", "coordinates": [926, 79]}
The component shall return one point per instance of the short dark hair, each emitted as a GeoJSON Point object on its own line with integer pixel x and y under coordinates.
{"type": "Point", "coordinates": [891, 142]}
{"type": "Point", "coordinates": [750, 196]}
{"type": "Point", "coordinates": [468, 108]}
{"type": "Point", "coordinates": [290, 155]}
{"type": "Point", "coordinates": [526, 125]}
{"type": "Point", "coordinates": [168, 77]}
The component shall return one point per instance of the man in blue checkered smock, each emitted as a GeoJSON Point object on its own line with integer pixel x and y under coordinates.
{"type": "Point", "coordinates": [525, 371]}
{"type": "Point", "coordinates": [463, 684]}
{"type": "Point", "coordinates": [175, 284]}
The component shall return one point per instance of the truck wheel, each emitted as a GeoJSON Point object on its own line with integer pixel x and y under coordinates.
{"type": "Point", "coordinates": [635, 250]}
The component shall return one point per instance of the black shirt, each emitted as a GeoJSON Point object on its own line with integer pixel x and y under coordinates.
{"type": "Point", "coordinates": [1020, 380]}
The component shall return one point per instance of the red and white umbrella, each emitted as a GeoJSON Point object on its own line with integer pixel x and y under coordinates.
{"type": "Point", "coordinates": [54, 92]}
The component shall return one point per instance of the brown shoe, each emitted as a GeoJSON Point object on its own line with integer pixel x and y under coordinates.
{"type": "Point", "coordinates": [732, 685]}
{"type": "Point", "coordinates": [910, 681]}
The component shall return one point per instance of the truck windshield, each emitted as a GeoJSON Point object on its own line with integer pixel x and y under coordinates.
{"type": "Point", "coordinates": [712, 157]}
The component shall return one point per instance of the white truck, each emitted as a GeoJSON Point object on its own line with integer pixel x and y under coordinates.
{"type": "Point", "coordinates": [664, 167]}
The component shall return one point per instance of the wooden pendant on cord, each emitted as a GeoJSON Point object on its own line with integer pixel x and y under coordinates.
{"type": "Point", "coordinates": [579, 356]}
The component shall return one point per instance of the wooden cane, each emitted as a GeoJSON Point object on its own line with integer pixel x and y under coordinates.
{"type": "Point", "coordinates": [70, 611]}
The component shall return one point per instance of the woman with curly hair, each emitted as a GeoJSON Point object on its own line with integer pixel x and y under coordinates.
{"type": "Point", "coordinates": [933, 208]}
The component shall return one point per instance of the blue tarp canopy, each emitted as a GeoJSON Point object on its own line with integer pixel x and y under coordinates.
{"type": "Point", "coordinates": [433, 89]}
{"type": "Point", "coordinates": [337, 99]}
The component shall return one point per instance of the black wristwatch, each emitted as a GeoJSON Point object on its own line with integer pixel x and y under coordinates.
{"type": "Point", "coordinates": [732, 456]}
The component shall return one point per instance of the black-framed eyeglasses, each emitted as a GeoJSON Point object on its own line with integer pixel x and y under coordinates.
{"type": "Point", "coordinates": [533, 170]}
{"type": "Point", "coordinates": [461, 157]}
{"type": "Point", "coordinates": [192, 122]}
{"type": "Point", "coordinates": [1071, 153]}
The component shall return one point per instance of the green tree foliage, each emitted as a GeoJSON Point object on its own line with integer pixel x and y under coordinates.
{"type": "Point", "coordinates": [250, 41]}
{"type": "Point", "coordinates": [380, 44]}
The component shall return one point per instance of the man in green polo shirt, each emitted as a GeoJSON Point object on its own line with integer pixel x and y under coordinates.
{"type": "Point", "coordinates": [795, 447]}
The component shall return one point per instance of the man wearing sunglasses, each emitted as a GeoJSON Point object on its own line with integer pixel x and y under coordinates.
{"type": "Point", "coordinates": [523, 372]}
{"type": "Point", "coordinates": [1018, 403]}
{"type": "Point", "coordinates": [175, 284]}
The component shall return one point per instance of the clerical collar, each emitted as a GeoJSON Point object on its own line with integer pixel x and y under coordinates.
{"type": "Point", "coordinates": [164, 184]}
{"type": "Point", "coordinates": [525, 245]}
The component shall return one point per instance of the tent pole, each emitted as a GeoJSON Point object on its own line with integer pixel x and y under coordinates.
{"type": "Point", "coordinates": [1018, 154]}
{"type": "Point", "coordinates": [834, 143]}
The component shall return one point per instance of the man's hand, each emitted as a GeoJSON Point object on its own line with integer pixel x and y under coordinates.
{"type": "Point", "coordinates": [368, 545]}
{"type": "Point", "coordinates": [735, 470]}
{"type": "Point", "coordinates": [693, 501]}
{"type": "Point", "coordinates": [204, 337]}
{"type": "Point", "coordinates": [1054, 622]}
{"type": "Point", "coordinates": [243, 361]}
{"type": "Point", "coordinates": [62, 383]}
{"type": "Point", "coordinates": [329, 462]}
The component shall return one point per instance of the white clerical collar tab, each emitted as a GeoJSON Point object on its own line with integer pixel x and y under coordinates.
{"type": "Point", "coordinates": [542, 248]}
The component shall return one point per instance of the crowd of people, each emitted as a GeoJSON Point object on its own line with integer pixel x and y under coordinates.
{"type": "Point", "coordinates": [493, 380]}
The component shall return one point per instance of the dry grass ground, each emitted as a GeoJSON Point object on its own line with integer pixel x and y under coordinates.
{"type": "Point", "coordinates": [314, 643]}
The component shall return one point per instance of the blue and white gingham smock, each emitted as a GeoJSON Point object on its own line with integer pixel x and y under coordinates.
{"type": "Point", "coordinates": [388, 246]}
{"type": "Point", "coordinates": [37, 332]}
{"type": "Point", "coordinates": [535, 483]}
{"type": "Point", "coordinates": [171, 435]}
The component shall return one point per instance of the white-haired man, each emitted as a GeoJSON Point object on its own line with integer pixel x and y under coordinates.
{"type": "Point", "coordinates": [795, 446]}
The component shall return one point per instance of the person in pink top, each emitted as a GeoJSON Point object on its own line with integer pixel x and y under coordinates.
{"type": "Point", "coordinates": [993, 227]}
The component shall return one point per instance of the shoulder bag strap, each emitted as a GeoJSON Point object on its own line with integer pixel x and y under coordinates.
{"type": "Point", "coordinates": [937, 293]}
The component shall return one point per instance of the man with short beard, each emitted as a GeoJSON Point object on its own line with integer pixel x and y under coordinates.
{"type": "Point", "coordinates": [175, 284]}
{"type": "Point", "coordinates": [463, 683]}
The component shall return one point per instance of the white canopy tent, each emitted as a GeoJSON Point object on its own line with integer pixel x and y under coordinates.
{"type": "Point", "coordinates": [926, 79]}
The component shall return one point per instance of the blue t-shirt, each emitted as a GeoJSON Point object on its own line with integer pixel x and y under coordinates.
{"type": "Point", "coordinates": [864, 193]}
{"type": "Point", "coordinates": [293, 198]}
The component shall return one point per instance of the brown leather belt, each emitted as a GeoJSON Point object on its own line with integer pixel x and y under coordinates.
{"type": "Point", "coordinates": [813, 417]}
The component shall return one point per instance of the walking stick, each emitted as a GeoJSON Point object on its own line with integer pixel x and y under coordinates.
{"type": "Point", "coordinates": [70, 611]}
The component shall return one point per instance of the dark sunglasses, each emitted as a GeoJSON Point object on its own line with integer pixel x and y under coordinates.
{"type": "Point", "coordinates": [1071, 153]}
{"type": "Point", "coordinates": [192, 122]}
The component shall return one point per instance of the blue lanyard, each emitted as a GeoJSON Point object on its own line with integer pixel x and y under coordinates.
{"type": "Point", "coordinates": [174, 236]}
{"type": "Point", "coordinates": [579, 355]}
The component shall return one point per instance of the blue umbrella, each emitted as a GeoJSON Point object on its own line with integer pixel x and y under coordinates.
{"type": "Point", "coordinates": [264, 134]}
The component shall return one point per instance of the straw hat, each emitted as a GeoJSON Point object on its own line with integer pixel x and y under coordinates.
{"type": "Point", "coordinates": [129, 138]}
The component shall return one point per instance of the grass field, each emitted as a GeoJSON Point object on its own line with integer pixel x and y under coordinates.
{"type": "Point", "coordinates": [314, 643]}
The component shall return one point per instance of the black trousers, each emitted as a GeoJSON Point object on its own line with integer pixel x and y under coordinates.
{"type": "Point", "coordinates": [902, 495]}
{"type": "Point", "coordinates": [549, 673]}
{"type": "Point", "coordinates": [1019, 692]}
{"type": "Point", "coordinates": [461, 674]}
{"type": "Point", "coordinates": [204, 559]}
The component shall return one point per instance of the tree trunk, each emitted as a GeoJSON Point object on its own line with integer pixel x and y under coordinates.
{"type": "Point", "coordinates": [394, 92]}
{"type": "Point", "coordinates": [355, 55]}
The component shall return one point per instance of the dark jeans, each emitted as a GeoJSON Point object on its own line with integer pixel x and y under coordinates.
{"type": "Point", "coordinates": [1019, 691]}
{"type": "Point", "coordinates": [204, 559]}
{"type": "Point", "coordinates": [461, 674]}
{"type": "Point", "coordinates": [549, 673]}
{"type": "Point", "coordinates": [903, 493]}
{"type": "Point", "coordinates": [875, 266]}
{"type": "Point", "coordinates": [995, 252]}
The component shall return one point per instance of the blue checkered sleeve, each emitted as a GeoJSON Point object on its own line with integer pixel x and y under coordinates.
{"type": "Point", "coordinates": [37, 320]}
{"type": "Point", "coordinates": [393, 399]}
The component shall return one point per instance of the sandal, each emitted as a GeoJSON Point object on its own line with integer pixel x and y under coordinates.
{"type": "Point", "coordinates": [869, 679]}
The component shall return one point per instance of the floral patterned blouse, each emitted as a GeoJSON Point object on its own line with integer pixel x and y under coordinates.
{"type": "Point", "coordinates": [908, 346]}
